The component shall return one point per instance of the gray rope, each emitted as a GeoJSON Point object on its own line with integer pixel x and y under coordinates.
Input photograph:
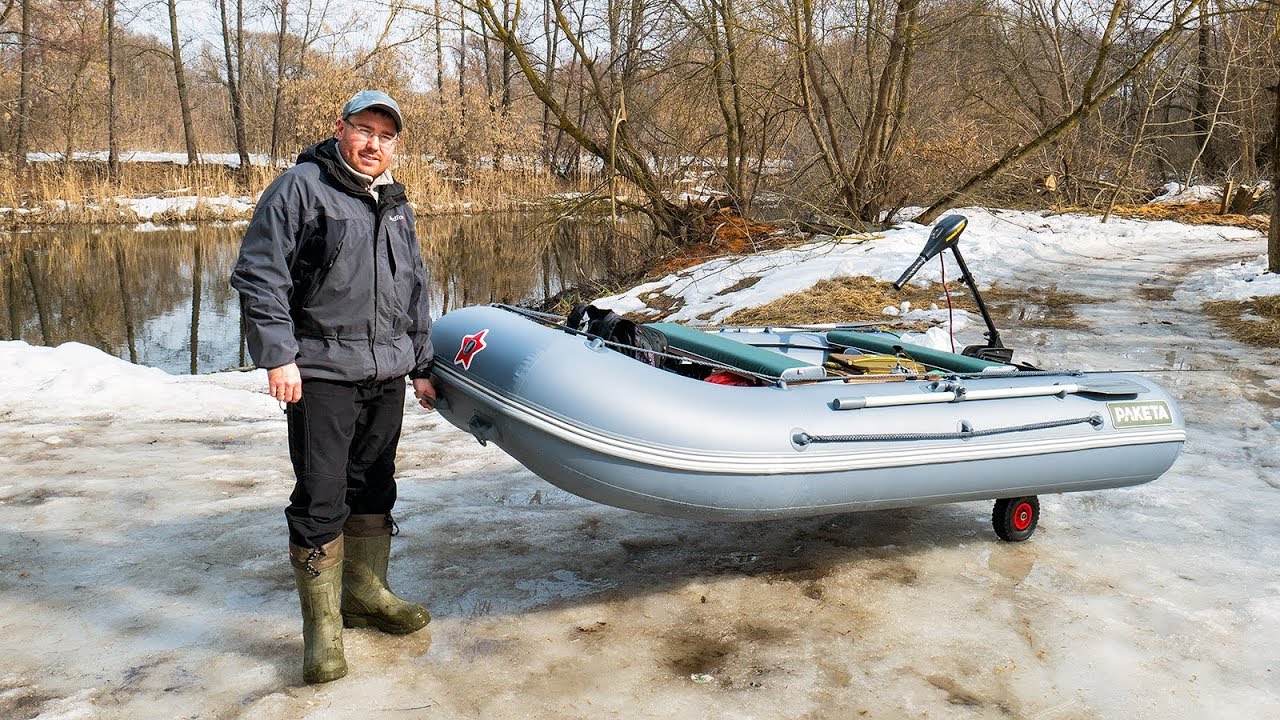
{"type": "Point", "coordinates": [804, 438]}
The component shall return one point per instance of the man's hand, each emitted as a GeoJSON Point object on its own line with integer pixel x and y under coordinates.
{"type": "Point", "coordinates": [285, 383]}
{"type": "Point", "coordinates": [425, 392]}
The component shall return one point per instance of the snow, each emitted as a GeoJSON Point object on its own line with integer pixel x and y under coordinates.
{"type": "Point", "coordinates": [998, 246]}
{"type": "Point", "coordinates": [177, 158]}
{"type": "Point", "coordinates": [1236, 281]}
{"type": "Point", "coordinates": [1176, 192]}
{"type": "Point", "coordinates": [143, 569]}
{"type": "Point", "coordinates": [149, 207]}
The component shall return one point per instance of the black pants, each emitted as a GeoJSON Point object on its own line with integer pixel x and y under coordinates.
{"type": "Point", "coordinates": [342, 441]}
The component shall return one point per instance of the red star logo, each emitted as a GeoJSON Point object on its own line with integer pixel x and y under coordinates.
{"type": "Point", "coordinates": [471, 345]}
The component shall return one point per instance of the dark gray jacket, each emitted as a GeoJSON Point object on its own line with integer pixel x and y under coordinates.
{"type": "Point", "coordinates": [331, 279]}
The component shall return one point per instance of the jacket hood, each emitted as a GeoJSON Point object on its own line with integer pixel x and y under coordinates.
{"type": "Point", "coordinates": [325, 154]}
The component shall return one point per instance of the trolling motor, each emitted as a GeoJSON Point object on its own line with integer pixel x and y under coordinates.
{"type": "Point", "coordinates": [946, 234]}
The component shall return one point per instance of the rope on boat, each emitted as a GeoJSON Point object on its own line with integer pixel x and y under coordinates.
{"type": "Point", "coordinates": [804, 438]}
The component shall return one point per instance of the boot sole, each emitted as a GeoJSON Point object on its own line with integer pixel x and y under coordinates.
{"type": "Point", "coordinates": [365, 621]}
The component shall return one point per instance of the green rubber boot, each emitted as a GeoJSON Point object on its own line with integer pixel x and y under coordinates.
{"type": "Point", "coordinates": [367, 600]}
{"type": "Point", "coordinates": [318, 573]}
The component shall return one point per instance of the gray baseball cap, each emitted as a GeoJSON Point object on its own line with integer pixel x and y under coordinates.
{"type": "Point", "coordinates": [366, 99]}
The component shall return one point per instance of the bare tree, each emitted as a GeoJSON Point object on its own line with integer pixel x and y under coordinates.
{"type": "Point", "coordinates": [1201, 115]}
{"type": "Point", "coordinates": [113, 138]}
{"type": "Point", "coordinates": [234, 68]}
{"type": "Point", "coordinates": [611, 140]}
{"type": "Point", "coordinates": [24, 86]}
{"type": "Point", "coordinates": [1273, 237]}
{"type": "Point", "coordinates": [282, 33]}
{"type": "Point", "coordinates": [180, 78]}
{"type": "Point", "coordinates": [1090, 100]}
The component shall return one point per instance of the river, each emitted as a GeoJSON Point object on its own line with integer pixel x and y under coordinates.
{"type": "Point", "coordinates": [160, 297]}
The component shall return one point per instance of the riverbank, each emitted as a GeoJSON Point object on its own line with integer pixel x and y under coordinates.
{"type": "Point", "coordinates": [143, 572]}
{"type": "Point", "coordinates": [168, 191]}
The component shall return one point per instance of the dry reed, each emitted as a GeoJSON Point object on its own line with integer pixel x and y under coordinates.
{"type": "Point", "coordinates": [1255, 321]}
{"type": "Point", "coordinates": [57, 193]}
{"type": "Point", "coordinates": [846, 299]}
{"type": "Point", "coordinates": [863, 298]}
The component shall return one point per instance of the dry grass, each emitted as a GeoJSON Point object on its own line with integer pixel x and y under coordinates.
{"type": "Point", "coordinates": [1156, 294]}
{"type": "Point", "coordinates": [51, 193]}
{"type": "Point", "coordinates": [1255, 321]}
{"type": "Point", "coordinates": [846, 299]}
{"type": "Point", "coordinates": [55, 193]}
{"type": "Point", "coordinates": [863, 298]}
{"type": "Point", "coordinates": [665, 305]}
{"type": "Point", "coordinates": [1197, 213]}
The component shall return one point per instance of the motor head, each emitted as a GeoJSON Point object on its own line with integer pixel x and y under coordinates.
{"type": "Point", "coordinates": [945, 234]}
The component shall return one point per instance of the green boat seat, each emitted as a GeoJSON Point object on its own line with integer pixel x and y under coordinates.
{"type": "Point", "coordinates": [724, 351]}
{"type": "Point", "coordinates": [886, 342]}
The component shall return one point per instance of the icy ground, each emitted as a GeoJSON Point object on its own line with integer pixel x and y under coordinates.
{"type": "Point", "coordinates": [143, 571]}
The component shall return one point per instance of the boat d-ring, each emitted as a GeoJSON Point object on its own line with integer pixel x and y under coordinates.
{"type": "Point", "coordinates": [597, 344]}
{"type": "Point", "coordinates": [800, 439]}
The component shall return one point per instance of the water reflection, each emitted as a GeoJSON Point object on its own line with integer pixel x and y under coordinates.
{"type": "Point", "coordinates": [161, 298]}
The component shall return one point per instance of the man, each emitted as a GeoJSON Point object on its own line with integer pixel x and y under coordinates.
{"type": "Point", "coordinates": [334, 293]}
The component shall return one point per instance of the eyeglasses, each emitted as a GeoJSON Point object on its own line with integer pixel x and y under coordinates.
{"type": "Point", "coordinates": [368, 134]}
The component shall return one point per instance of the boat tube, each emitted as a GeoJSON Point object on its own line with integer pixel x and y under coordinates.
{"type": "Point", "coordinates": [587, 417]}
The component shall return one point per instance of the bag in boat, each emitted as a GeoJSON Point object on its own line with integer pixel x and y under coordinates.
{"type": "Point", "coordinates": [642, 343]}
{"type": "Point", "coordinates": [873, 364]}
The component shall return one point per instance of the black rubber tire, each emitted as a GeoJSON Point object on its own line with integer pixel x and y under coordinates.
{"type": "Point", "coordinates": [1015, 519]}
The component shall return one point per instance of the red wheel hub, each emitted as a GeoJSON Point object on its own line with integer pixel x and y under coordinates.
{"type": "Point", "coordinates": [1023, 514]}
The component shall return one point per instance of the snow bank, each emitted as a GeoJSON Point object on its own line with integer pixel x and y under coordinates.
{"type": "Point", "coordinates": [229, 159]}
{"type": "Point", "coordinates": [76, 380]}
{"type": "Point", "coordinates": [1237, 281]}
{"type": "Point", "coordinates": [1176, 192]}
{"type": "Point", "coordinates": [998, 245]}
{"type": "Point", "coordinates": [149, 207]}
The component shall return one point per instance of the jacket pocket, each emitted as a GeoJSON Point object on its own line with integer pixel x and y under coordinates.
{"type": "Point", "coordinates": [321, 274]}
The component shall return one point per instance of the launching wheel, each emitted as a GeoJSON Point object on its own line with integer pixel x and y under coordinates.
{"type": "Point", "coordinates": [1015, 518]}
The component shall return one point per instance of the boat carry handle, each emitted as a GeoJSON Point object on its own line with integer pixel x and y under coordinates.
{"type": "Point", "coordinates": [955, 392]}
{"type": "Point", "coordinates": [483, 429]}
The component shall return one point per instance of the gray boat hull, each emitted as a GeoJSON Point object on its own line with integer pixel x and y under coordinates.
{"type": "Point", "coordinates": [616, 431]}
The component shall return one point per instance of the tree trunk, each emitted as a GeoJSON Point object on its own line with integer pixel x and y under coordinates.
{"type": "Point", "coordinates": [889, 106]}
{"type": "Point", "coordinates": [506, 60]}
{"type": "Point", "coordinates": [729, 19]}
{"type": "Point", "coordinates": [179, 77]}
{"type": "Point", "coordinates": [550, 32]}
{"type": "Point", "coordinates": [126, 302]}
{"type": "Point", "coordinates": [1273, 237]}
{"type": "Point", "coordinates": [277, 106]}
{"type": "Point", "coordinates": [37, 294]}
{"type": "Point", "coordinates": [24, 88]}
{"type": "Point", "coordinates": [1200, 115]}
{"type": "Point", "coordinates": [462, 60]}
{"type": "Point", "coordinates": [439, 56]}
{"type": "Point", "coordinates": [197, 276]}
{"type": "Point", "coordinates": [233, 79]}
{"type": "Point", "coordinates": [15, 322]}
{"type": "Point", "coordinates": [113, 137]}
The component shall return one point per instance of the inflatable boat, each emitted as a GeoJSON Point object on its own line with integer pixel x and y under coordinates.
{"type": "Point", "coordinates": [811, 420]}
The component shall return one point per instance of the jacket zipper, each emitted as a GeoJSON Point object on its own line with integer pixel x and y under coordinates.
{"type": "Point", "coordinates": [377, 226]}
